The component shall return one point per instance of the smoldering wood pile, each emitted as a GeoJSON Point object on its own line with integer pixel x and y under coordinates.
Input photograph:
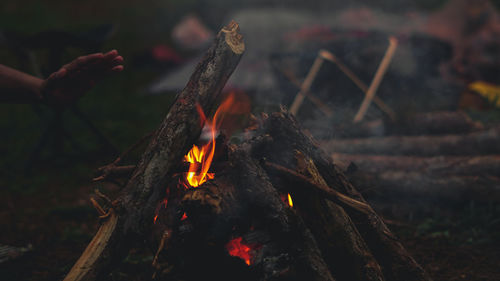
{"type": "Point", "coordinates": [240, 225]}
{"type": "Point", "coordinates": [431, 161]}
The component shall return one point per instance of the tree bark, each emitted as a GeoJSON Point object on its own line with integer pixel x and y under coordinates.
{"type": "Point", "coordinates": [133, 210]}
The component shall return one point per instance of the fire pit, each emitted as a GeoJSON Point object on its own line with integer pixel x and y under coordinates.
{"type": "Point", "coordinates": [273, 207]}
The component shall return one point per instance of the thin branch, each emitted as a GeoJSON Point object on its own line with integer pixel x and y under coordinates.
{"type": "Point", "coordinates": [306, 85]}
{"type": "Point", "coordinates": [379, 75]}
{"type": "Point", "coordinates": [317, 101]}
{"type": "Point", "coordinates": [357, 81]}
{"type": "Point", "coordinates": [326, 191]}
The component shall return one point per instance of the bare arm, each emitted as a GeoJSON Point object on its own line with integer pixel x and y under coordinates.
{"type": "Point", "coordinates": [19, 87]}
{"type": "Point", "coordinates": [63, 86]}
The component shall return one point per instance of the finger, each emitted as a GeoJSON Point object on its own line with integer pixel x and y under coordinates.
{"type": "Point", "coordinates": [106, 66]}
{"type": "Point", "coordinates": [92, 57]}
{"type": "Point", "coordinates": [52, 76]}
{"type": "Point", "coordinates": [115, 62]}
{"type": "Point", "coordinates": [61, 73]}
{"type": "Point", "coordinates": [84, 61]}
{"type": "Point", "coordinates": [110, 55]}
{"type": "Point", "coordinates": [118, 60]}
{"type": "Point", "coordinates": [117, 68]}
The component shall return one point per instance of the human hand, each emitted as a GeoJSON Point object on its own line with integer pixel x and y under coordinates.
{"type": "Point", "coordinates": [74, 79]}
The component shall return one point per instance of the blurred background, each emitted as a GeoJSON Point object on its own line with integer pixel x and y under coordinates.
{"type": "Point", "coordinates": [443, 79]}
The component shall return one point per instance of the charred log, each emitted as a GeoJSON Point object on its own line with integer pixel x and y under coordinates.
{"type": "Point", "coordinates": [241, 203]}
{"type": "Point", "coordinates": [284, 137]}
{"type": "Point", "coordinates": [136, 204]}
{"type": "Point", "coordinates": [341, 244]}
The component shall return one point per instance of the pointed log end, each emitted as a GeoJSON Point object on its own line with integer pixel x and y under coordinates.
{"type": "Point", "coordinates": [233, 38]}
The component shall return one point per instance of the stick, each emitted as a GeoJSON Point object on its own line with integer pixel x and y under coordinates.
{"type": "Point", "coordinates": [306, 85]}
{"type": "Point", "coordinates": [320, 104]}
{"type": "Point", "coordinates": [379, 75]}
{"type": "Point", "coordinates": [111, 170]}
{"type": "Point", "coordinates": [328, 192]}
{"type": "Point", "coordinates": [357, 81]}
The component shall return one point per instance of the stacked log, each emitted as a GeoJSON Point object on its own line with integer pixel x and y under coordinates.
{"type": "Point", "coordinates": [236, 226]}
{"type": "Point", "coordinates": [425, 170]}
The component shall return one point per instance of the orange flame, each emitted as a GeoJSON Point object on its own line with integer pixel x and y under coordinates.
{"type": "Point", "coordinates": [236, 249]}
{"type": "Point", "coordinates": [290, 202]}
{"type": "Point", "coordinates": [200, 159]}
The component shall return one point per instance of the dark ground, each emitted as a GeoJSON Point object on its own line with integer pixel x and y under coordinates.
{"type": "Point", "coordinates": [58, 220]}
{"type": "Point", "coordinates": [48, 206]}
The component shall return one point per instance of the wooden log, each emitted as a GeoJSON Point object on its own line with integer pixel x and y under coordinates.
{"type": "Point", "coordinates": [427, 123]}
{"type": "Point", "coordinates": [447, 191]}
{"type": "Point", "coordinates": [449, 180]}
{"type": "Point", "coordinates": [487, 165]}
{"type": "Point", "coordinates": [283, 220]}
{"type": "Point", "coordinates": [136, 203]}
{"type": "Point", "coordinates": [241, 202]}
{"type": "Point", "coordinates": [434, 123]}
{"type": "Point", "coordinates": [341, 244]}
{"type": "Point", "coordinates": [476, 143]}
{"type": "Point", "coordinates": [286, 138]}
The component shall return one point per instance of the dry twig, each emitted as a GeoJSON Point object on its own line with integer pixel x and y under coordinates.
{"type": "Point", "coordinates": [357, 81]}
{"type": "Point", "coordinates": [379, 75]}
{"type": "Point", "coordinates": [331, 194]}
{"type": "Point", "coordinates": [306, 85]}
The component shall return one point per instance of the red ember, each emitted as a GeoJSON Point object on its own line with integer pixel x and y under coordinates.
{"type": "Point", "coordinates": [236, 249]}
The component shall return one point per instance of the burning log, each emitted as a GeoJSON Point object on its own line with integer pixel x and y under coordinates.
{"type": "Point", "coordinates": [475, 143]}
{"type": "Point", "coordinates": [347, 253]}
{"type": "Point", "coordinates": [282, 138]}
{"type": "Point", "coordinates": [239, 212]}
{"type": "Point", "coordinates": [131, 213]}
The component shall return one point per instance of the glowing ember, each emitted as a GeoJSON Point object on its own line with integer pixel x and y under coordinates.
{"type": "Point", "coordinates": [184, 216]}
{"type": "Point", "coordinates": [236, 249]}
{"type": "Point", "coordinates": [200, 159]}
{"type": "Point", "coordinates": [290, 202]}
